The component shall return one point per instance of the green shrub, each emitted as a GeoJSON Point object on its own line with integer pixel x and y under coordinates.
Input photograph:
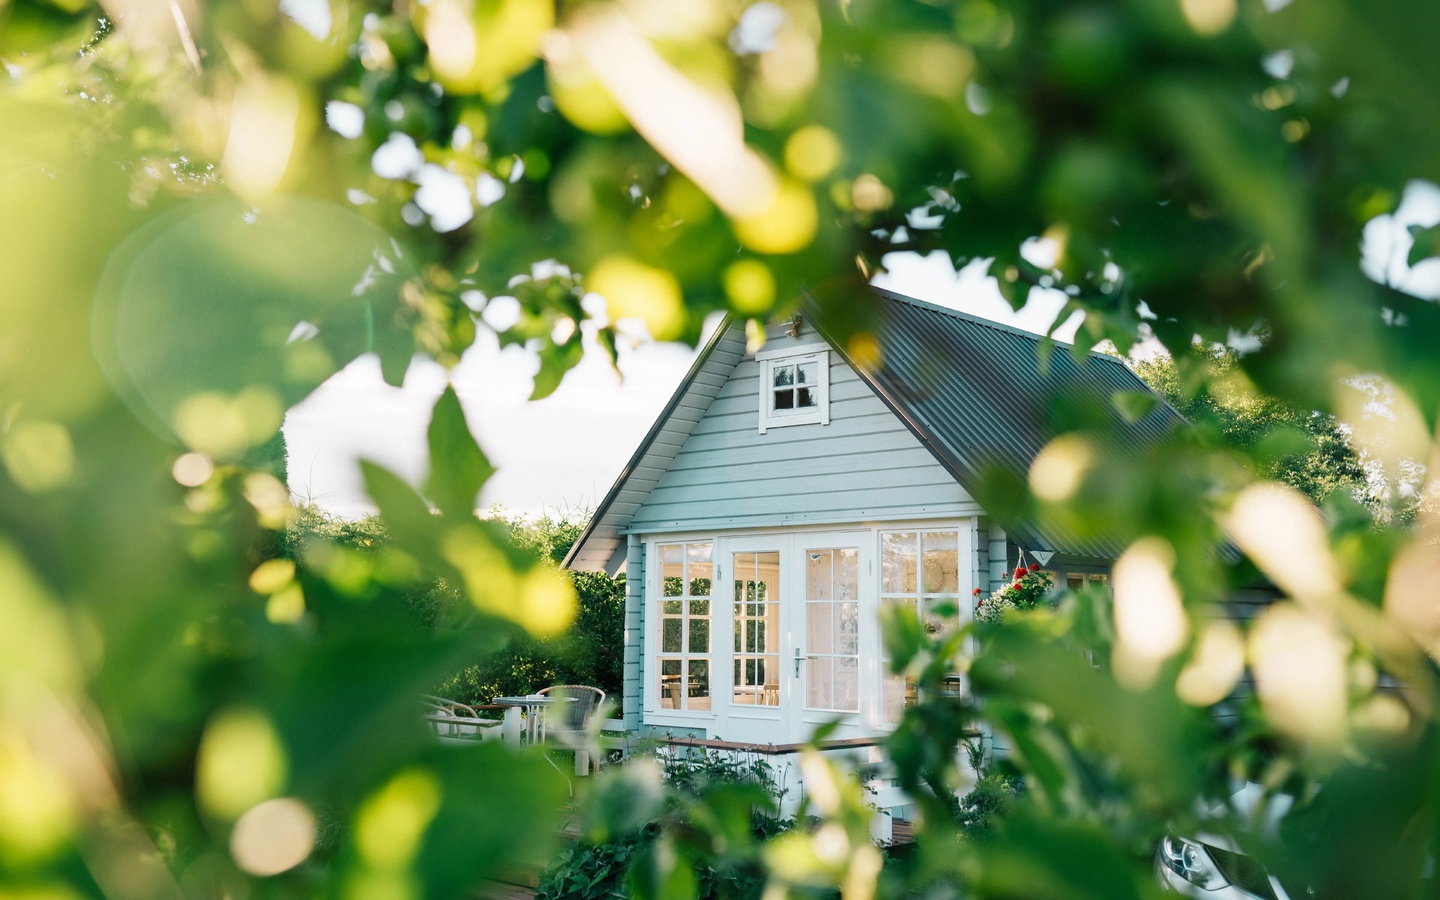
{"type": "Point", "coordinates": [590, 652]}
{"type": "Point", "coordinates": [611, 867]}
{"type": "Point", "coordinates": [588, 871]}
{"type": "Point", "coordinates": [987, 801]}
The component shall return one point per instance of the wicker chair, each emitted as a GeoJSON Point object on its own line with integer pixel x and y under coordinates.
{"type": "Point", "coordinates": [568, 724]}
{"type": "Point", "coordinates": [455, 722]}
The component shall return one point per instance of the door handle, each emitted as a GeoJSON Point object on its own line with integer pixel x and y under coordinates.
{"type": "Point", "coordinates": [801, 657]}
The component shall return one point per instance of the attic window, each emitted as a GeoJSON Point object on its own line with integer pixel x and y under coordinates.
{"type": "Point", "coordinates": [794, 386]}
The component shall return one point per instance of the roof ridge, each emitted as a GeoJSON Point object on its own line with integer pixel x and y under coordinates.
{"type": "Point", "coordinates": [990, 323]}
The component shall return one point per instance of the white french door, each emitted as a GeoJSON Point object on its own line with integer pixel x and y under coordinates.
{"type": "Point", "coordinates": [837, 635]}
{"type": "Point", "coordinates": [800, 632]}
{"type": "Point", "coordinates": [751, 624]}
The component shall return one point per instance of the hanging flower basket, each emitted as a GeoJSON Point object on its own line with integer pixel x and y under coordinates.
{"type": "Point", "coordinates": [1029, 589]}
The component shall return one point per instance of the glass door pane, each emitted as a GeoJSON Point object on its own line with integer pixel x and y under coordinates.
{"type": "Point", "coordinates": [832, 629]}
{"type": "Point", "coordinates": [756, 607]}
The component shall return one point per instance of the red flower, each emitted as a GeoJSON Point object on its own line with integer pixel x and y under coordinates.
{"type": "Point", "coordinates": [1035, 568]}
{"type": "Point", "coordinates": [1019, 572]}
{"type": "Point", "coordinates": [977, 592]}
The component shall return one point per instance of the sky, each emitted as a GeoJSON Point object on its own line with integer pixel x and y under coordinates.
{"type": "Point", "coordinates": [561, 454]}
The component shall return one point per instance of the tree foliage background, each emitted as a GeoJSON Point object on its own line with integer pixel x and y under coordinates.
{"type": "Point", "coordinates": [1305, 449]}
{"type": "Point", "coordinates": [209, 208]}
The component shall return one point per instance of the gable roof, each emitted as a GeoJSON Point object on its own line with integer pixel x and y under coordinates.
{"type": "Point", "coordinates": [974, 392]}
{"type": "Point", "coordinates": [980, 395]}
{"type": "Point", "coordinates": [602, 544]}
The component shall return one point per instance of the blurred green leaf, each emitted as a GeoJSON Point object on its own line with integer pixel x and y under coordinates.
{"type": "Point", "coordinates": [458, 467]}
{"type": "Point", "coordinates": [402, 509]}
{"type": "Point", "coordinates": [624, 799]}
{"type": "Point", "coordinates": [1030, 857]}
{"type": "Point", "coordinates": [902, 634]}
{"type": "Point", "coordinates": [1133, 405]}
{"type": "Point", "coordinates": [1427, 243]}
{"type": "Point", "coordinates": [661, 872]}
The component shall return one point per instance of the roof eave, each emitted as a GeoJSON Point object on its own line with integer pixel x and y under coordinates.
{"type": "Point", "coordinates": [650, 436]}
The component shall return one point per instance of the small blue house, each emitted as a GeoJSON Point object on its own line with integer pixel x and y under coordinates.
{"type": "Point", "coordinates": [787, 493]}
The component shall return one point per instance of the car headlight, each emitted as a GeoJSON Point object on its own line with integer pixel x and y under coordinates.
{"type": "Point", "coordinates": [1191, 862]}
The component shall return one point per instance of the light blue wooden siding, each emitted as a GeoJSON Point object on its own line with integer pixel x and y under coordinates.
{"type": "Point", "coordinates": [603, 548]}
{"type": "Point", "coordinates": [634, 670]}
{"type": "Point", "coordinates": [864, 466]}
{"type": "Point", "coordinates": [999, 557]}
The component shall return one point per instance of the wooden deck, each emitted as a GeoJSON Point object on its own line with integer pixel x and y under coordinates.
{"type": "Point", "coordinates": [503, 890]}
{"type": "Point", "coordinates": [902, 833]}
{"type": "Point", "coordinates": [518, 882]}
{"type": "Point", "coordinates": [773, 749]}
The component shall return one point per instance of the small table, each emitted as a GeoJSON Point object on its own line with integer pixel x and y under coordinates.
{"type": "Point", "coordinates": [531, 706]}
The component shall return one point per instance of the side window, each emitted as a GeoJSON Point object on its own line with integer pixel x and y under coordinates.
{"type": "Point", "coordinates": [794, 387]}
{"type": "Point", "coordinates": [918, 569]}
{"type": "Point", "coordinates": [1077, 580]}
{"type": "Point", "coordinates": [683, 618]}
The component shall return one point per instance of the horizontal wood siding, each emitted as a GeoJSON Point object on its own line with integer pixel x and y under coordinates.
{"type": "Point", "coordinates": [603, 547]}
{"type": "Point", "coordinates": [864, 466]}
{"type": "Point", "coordinates": [633, 675]}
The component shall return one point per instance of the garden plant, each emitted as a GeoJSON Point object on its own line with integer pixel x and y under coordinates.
{"type": "Point", "coordinates": [209, 208]}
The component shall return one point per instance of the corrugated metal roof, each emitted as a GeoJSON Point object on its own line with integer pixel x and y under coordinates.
{"type": "Point", "coordinates": [973, 391]}
{"type": "Point", "coordinates": [977, 394]}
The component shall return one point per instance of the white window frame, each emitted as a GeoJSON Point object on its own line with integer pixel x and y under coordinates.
{"type": "Point", "coordinates": [657, 652]}
{"type": "Point", "coordinates": [920, 599]}
{"type": "Point", "coordinates": [784, 356]}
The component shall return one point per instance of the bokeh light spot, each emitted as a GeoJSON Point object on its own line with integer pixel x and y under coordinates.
{"type": "Point", "coordinates": [1059, 468]}
{"type": "Point", "coordinates": [869, 194]}
{"type": "Point", "coordinates": [1215, 666]}
{"type": "Point", "coordinates": [212, 425]}
{"type": "Point", "coordinates": [1208, 17]}
{"type": "Point", "coordinates": [262, 135]}
{"type": "Point", "coordinates": [37, 813]}
{"type": "Point", "coordinates": [39, 455]}
{"type": "Point", "coordinates": [786, 226]}
{"type": "Point", "coordinates": [548, 602]}
{"type": "Point", "coordinates": [750, 285]}
{"type": "Point", "coordinates": [1150, 621]}
{"type": "Point", "coordinates": [240, 763]}
{"type": "Point", "coordinates": [1300, 674]}
{"type": "Point", "coordinates": [286, 606]}
{"type": "Point", "coordinates": [634, 290]}
{"type": "Point", "coordinates": [477, 46]}
{"type": "Point", "coordinates": [698, 128]}
{"type": "Point", "coordinates": [812, 152]}
{"type": "Point", "coordinates": [1283, 533]}
{"type": "Point", "coordinates": [270, 498]}
{"type": "Point", "coordinates": [273, 837]}
{"type": "Point", "coordinates": [192, 469]}
{"type": "Point", "coordinates": [581, 97]}
{"type": "Point", "coordinates": [272, 575]}
{"type": "Point", "coordinates": [1412, 592]}
{"type": "Point", "coordinates": [541, 601]}
{"type": "Point", "coordinates": [865, 351]}
{"type": "Point", "coordinates": [392, 821]}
